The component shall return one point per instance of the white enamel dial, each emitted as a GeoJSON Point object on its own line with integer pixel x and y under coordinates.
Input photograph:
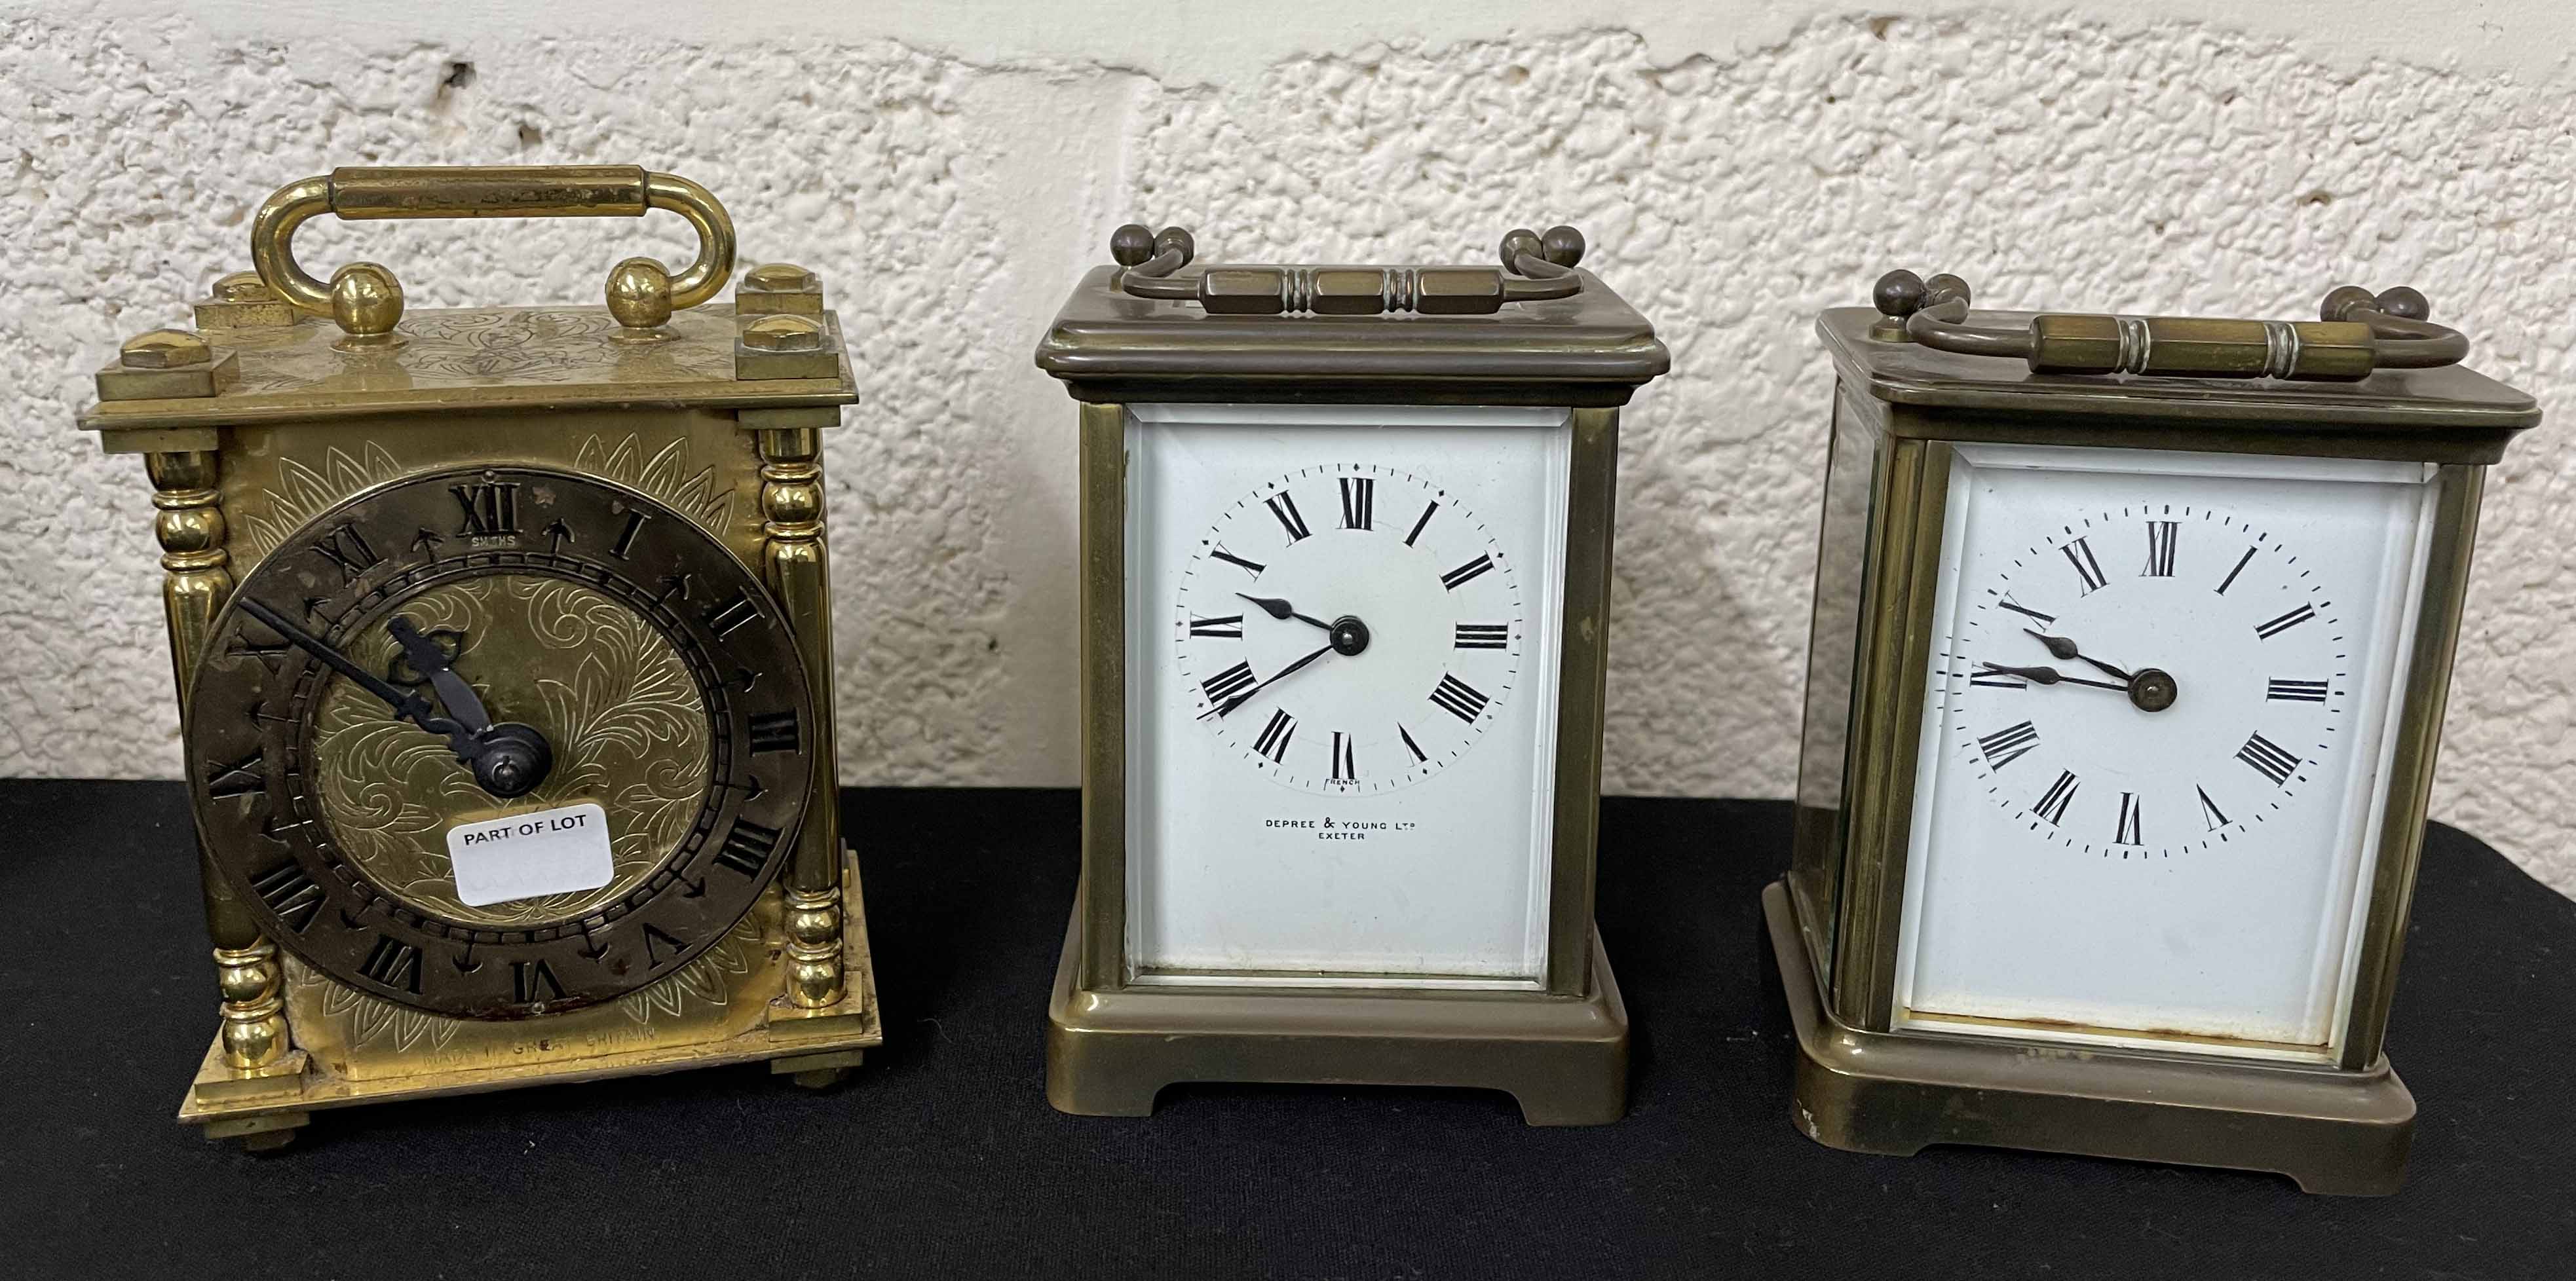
{"type": "Point", "coordinates": [1342, 635]}
{"type": "Point", "coordinates": [2086, 686]}
{"type": "Point", "coordinates": [1401, 637]}
{"type": "Point", "coordinates": [2150, 775]}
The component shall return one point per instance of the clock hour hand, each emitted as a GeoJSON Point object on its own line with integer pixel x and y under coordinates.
{"type": "Point", "coordinates": [2050, 676]}
{"type": "Point", "coordinates": [508, 760]}
{"type": "Point", "coordinates": [1283, 611]}
{"type": "Point", "coordinates": [1222, 709]}
{"type": "Point", "coordinates": [433, 662]}
{"type": "Point", "coordinates": [2062, 648]}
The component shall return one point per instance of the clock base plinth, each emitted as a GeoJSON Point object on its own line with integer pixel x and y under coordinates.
{"type": "Point", "coordinates": [1563, 1058]}
{"type": "Point", "coordinates": [2332, 1131]}
{"type": "Point", "coordinates": [264, 1107]}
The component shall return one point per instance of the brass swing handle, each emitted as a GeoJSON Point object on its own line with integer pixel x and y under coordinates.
{"type": "Point", "coordinates": [1534, 268]}
{"type": "Point", "coordinates": [2356, 333]}
{"type": "Point", "coordinates": [366, 299]}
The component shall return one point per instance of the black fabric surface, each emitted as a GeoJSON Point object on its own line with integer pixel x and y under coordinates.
{"type": "Point", "coordinates": [941, 1156]}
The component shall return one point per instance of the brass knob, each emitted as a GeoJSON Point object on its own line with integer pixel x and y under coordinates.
{"type": "Point", "coordinates": [367, 301]}
{"type": "Point", "coordinates": [639, 293]}
{"type": "Point", "coordinates": [164, 349]}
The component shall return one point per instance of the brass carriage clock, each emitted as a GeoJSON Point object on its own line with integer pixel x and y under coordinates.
{"type": "Point", "coordinates": [503, 642]}
{"type": "Point", "coordinates": [1346, 561]}
{"type": "Point", "coordinates": [2131, 643]}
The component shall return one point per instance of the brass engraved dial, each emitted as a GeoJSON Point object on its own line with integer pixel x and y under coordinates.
{"type": "Point", "coordinates": [634, 730]}
{"type": "Point", "coordinates": [659, 678]}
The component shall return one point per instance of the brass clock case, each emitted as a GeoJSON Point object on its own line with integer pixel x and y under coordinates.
{"type": "Point", "coordinates": [1534, 330]}
{"type": "Point", "coordinates": [657, 665]}
{"type": "Point", "coordinates": [609, 521]}
{"type": "Point", "coordinates": [1916, 378]}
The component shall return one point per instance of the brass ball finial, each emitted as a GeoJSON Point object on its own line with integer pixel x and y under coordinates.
{"type": "Point", "coordinates": [639, 293]}
{"type": "Point", "coordinates": [1562, 245]}
{"type": "Point", "coordinates": [2406, 303]}
{"type": "Point", "coordinates": [1176, 240]}
{"type": "Point", "coordinates": [1131, 244]}
{"type": "Point", "coordinates": [1899, 293]}
{"type": "Point", "coordinates": [164, 349]}
{"type": "Point", "coordinates": [1517, 243]}
{"type": "Point", "coordinates": [2342, 299]}
{"type": "Point", "coordinates": [1944, 287]}
{"type": "Point", "coordinates": [366, 300]}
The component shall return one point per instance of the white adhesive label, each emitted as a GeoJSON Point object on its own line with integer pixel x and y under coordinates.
{"type": "Point", "coordinates": [530, 855]}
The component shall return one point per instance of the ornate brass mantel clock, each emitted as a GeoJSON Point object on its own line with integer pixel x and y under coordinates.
{"type": "Point", "coordinates": [1346, 561]}
{"type": "Point", "coordinates": [503, 642]}
{"type": "Point", "coordinates": [2131, 643]}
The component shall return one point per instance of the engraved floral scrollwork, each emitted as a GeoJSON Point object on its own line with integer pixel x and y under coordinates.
{"type": "Point", "coordinates": [364, 1022]}
{"type": "Point", "coordinates": [628, 722]}
{"type": "Point", "coordinates": [529, 345]}
{"type": "Point", "coordinates": [304, 491]}
{"type": "Point", "coordinates": [709, 980]}
{"type": "Point", "coordinates": [662, 476]}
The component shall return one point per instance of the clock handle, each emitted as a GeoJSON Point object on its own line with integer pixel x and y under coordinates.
{"type": "Point", "coordinates": [367, 301]}
{"type": "Point", "coordinates": [1535, 268]}
{"type": "Point", "coordinates": [2357, 333]}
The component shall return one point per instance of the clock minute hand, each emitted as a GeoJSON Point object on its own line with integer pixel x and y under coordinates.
{"type": "Point", "coordinates": [406, 705]}
{"type": "Point", "coordinates": [2062, 648]}
{"type": "Point", "coordinates": [2050, 676]}
{"type": "Point", "coordinates": [1283, 611]}
{"type": "Point", "coordinates": [1221, 710]}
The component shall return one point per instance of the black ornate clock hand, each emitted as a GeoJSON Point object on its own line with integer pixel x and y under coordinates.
{"type": "Point", "coordinates": [2152, 689]}
{"type": "Point", "coordinates": [510, 758]}
{"type": "Point", "coordinates": [407, 706]}
{"type": "Point", "coordinates": [1283, 611]}
{"type": "Point", "coordinates": [1222, 709]}
{"type": "Point", "coordinates": [505, 764]}
{"type": "Point", "coordinates": [438, 666]}
{"type": "Point", "coordinates": [2062, 648]}
{"type": "Point", "coordinates": [2050, 676]}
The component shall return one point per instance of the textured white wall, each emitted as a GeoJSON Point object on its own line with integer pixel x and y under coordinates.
{"type": "Point", "coordinates": [951, 171]}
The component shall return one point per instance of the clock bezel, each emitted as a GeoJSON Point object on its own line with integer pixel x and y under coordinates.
{"type": "Point", "coordinates": [1537, 694]}
{"type": "Point", "coordinates": [2358, 818]}
{"type": "Point", "coordinates": [379, 592]}
{"type": "Point", "coordinates": [1582, 665]}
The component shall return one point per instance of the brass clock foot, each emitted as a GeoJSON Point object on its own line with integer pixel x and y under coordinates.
{"type": "Point", "coordinates": [1563, 1059]}
{"type": "Point", "coordinates": [818, 1071]}
{"type": "Point", "coordinates": [259, 1133]}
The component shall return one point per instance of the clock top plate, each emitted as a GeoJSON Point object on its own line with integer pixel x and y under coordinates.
{"type": "Point", "coordinates": [1588, 349]}
{"type": "Point", "coordinates": [2463, 406]}
{"type": "Point", "coordinates": [478, 358]}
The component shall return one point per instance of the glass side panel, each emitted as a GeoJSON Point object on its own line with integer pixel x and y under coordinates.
{"type": "Point", "coordinates": [1842, 554]}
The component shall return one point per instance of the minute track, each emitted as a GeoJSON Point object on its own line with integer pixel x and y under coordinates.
{"type": "Point", "coordinates": [2029, 602]}
{"type": "Point", "coordinates": [1353, 540]}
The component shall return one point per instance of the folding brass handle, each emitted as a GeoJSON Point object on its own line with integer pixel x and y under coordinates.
{"type": "Point", "coordinates": [2357, 332]}
{"type": "Point", "coordinates": [1539, 267]}
{"type": "Point", "coordinates": [367, 300]}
